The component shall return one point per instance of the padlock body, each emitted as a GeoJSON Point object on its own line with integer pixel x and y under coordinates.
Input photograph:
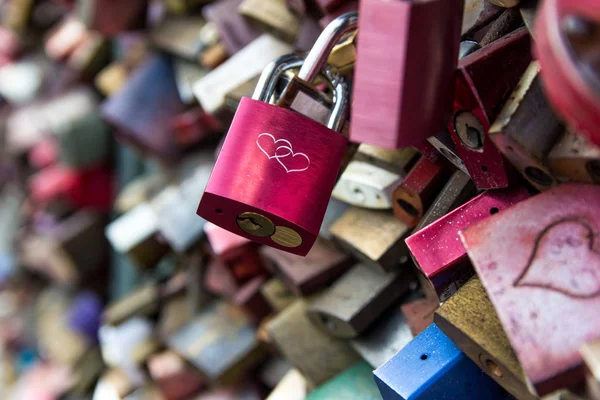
{"type": "Point", "coordinates": [569, 81]}
{"type": "Point", "coordinates": [278, 164]}
{"type": "Point", "coordinates": [480, 98]}
{"type": "Point", "coordinates": [407, 53]}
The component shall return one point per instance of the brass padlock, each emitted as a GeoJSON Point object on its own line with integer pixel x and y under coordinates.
{"type": "Point", "coordinates": [538, 263]}
{"type": "Point", "coordinates": [179, 35]}
{"type": "Point", "coordinates": [315, 354]}
{"type": "Point", "coordinates": [470, 320]}
{"type": "Point", "coordinates": [17, 14]}
{"type": "Point", "coordinates": [343, 54]}
{"type": "Point", "coordinates": [272, 16]}
{"type": "Point", "coordinates": [375, 237]}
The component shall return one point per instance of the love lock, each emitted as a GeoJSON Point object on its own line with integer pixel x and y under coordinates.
{"type": "Point", "coordinates": [277, 168]}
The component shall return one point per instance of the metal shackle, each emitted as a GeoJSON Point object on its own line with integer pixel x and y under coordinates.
{"type": "Point", "coordinates": [331, 35]}
{"type": "Point", "coordinates": [268, 81]}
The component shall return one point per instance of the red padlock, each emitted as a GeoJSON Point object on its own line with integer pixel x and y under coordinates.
{"type": "Point", "coordinates": [484, 80]}
{"type": "Point", "coordinates": [437, 250]}
{"type": "Point", "coordinates": [567, 39]}
{"type": "Point", "coordinates": [406, 57]}
{"type": "Point", "coordinates": [277, 168]}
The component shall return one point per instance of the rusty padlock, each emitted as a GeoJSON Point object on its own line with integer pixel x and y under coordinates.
{"type": "Point", "coordinates": [407, 53]}
{"type": "Point", "coordinates": [272, 180]}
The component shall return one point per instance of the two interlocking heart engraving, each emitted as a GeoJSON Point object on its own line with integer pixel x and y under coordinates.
{"type": "Point", "coordinates": [564, 259]}
{"type": "Point", "coordinates": [282, 151]}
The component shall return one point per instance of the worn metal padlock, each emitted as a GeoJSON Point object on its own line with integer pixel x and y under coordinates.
{"type": "Point", "coordinates": [407, 53]}
{"type": "Point", "coordinates": [387, 336]}
{"type": "Point", "coordinates": [526, 130]}
{"type": "Point", "coordinates": [457, 191]}
{"type": "Point", "coordinates": [373, 236]}
{"type": "Point", "coordinates": [445, 264]}
{"type": "Point", "coordinates": [274, 175]}
{"type": "Point", "coordinates": [478, 100]}
{"type": "Point", "coordinates": [355, 300]}
{"type": "Point", "coordinates": [576, 158]}
{"type": "Point", "coordinates": [370, 178]}
{"type": "Point", "coordinates": [318, 356]}
{"type": "Point", "coordinates": [470, 321]}
{"type": "Point", "coordinates": [539, 263]}
{"type": "Point", "coordinates": [220, 342]}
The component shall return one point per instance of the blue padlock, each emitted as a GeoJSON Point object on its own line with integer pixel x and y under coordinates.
{"type": "Point", "coordinates": [432, 367]}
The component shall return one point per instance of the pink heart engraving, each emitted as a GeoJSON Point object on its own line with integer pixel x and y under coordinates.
{"type": "Point", "coordinates": [268, 145]}
{"type": "Point", "coordinates": [296, 162]}
{"type": "Point", "coordinates": [281, 150]}
{"type": "Point", "coordinates": [564, 260]}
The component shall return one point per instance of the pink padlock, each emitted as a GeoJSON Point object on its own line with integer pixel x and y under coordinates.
{"type": "Point", "coordinates": [275, 173]}
{"type": "Point", "coordinates": [407, 52]}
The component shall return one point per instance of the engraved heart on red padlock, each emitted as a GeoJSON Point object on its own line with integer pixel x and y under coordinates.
{"type": "Point", "coordinates": [565, 260]}
{"type": "Point", "coordinates": [282, 151]}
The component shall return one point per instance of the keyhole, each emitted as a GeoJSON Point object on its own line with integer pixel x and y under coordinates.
{"type": "Point", "coordinates": [248, 224]}
{"type": "Point", "coordinates": [470, 130]}
{"type": "Point", "coordinates": [474, 137]}
{"type": "Point", "coordinates": [255, 224]}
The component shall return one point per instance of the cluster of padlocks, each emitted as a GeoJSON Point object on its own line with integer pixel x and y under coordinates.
{"type": "Point", "coordinates": [300, 199]}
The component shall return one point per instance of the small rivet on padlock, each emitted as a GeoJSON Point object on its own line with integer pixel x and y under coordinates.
{"type": "Point", "coordinates": [255, 224]}
{"type": "Point", "coordinates": [470, 130]}
{"type": "Point", "coordinates": [286, 237]}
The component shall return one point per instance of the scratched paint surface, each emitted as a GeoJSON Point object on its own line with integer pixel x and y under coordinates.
{"type": "Point", "coordinates": [539, 261]}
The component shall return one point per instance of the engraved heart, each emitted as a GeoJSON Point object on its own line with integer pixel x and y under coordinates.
{"type": "Point", "coordinates": [269, 146]}
{"type": "Point", "coordinates": [281, 150]}
{"type": "Point", "coordinates": [296, 162]}
{"type": "Point", "coordinates": [564, 260]}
